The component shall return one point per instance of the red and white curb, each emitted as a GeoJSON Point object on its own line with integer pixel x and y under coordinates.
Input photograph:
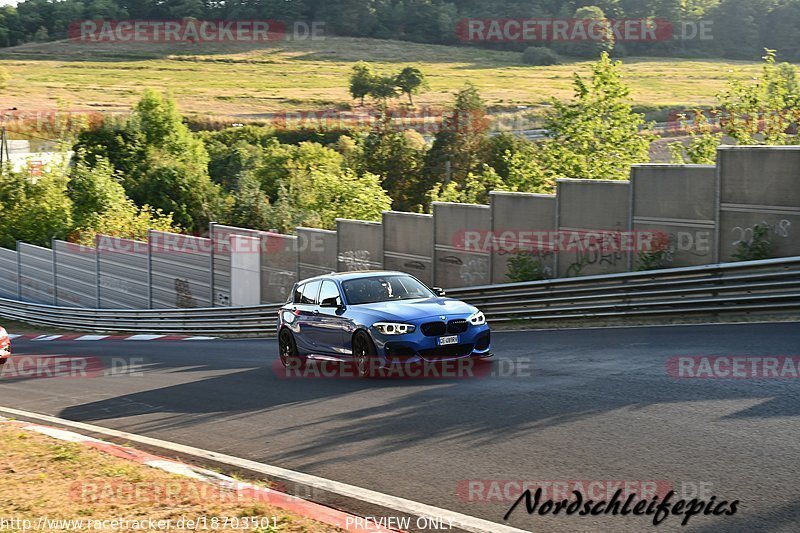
{"type": "Point", "coordinates": [369, 508]}
{"type": "Point", "coordinates": [250, 491]}
{"type": "Point", "coordinates": [86, 337]}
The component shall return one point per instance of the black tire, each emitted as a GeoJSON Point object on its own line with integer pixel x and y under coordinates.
{"type": "Point", "coordinates": [287, 349]}
{"type": "Point", "coordinates": [364, 355]}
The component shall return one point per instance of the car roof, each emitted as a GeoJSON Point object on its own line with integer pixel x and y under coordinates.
{"type": "Point", "coordinates": [355, 274]}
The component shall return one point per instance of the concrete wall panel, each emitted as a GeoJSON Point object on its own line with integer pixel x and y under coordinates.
{"type": "Point", "coordinates": [222, 260]}
{"type": "Point", "coordinates": [360, 245]}
{"type": "Point", "coordinates": [521, 223]}
{"type": "Point", "coordinates": [122, 270]}
{"type": "Point", "coordinates": [675, 204]}
{"type": "Point", "coordinates": [456, 263]}
{"type": "Point", "coordinates": [76, 274]}
{"type": "Point", "coordinates": [759, 185]}
{"type": "Point", "coordinates": [36, 273]}
{"type": "Point", "coordinates": [316, 252]}
{"type": "Point", "coordinates": [9, 287]}
{"type": "Point", "coordinates": [408, 244]}
{"type": "Point", "coordinates": [180, 270]}
{"type": "Point", "coordinates": [278, 266]}
{"type": "Point", "coordinates": [593, 219]}
{"type": "Point", "coordinates": [245, 270]}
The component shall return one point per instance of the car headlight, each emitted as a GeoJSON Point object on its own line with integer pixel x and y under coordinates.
{"type": "Point", "coordinates": [478, 319]}
{"type": "Point", "coordinates": [394, 328]}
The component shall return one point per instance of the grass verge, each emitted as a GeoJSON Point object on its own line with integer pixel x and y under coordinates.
{"type": "Point", "coordinates": [45, 477]}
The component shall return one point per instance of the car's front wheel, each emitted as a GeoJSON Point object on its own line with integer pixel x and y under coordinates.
{"type": "Point", "coordinates": [364, 355]}
{"type": "Point", "coordinates": [287, 348]}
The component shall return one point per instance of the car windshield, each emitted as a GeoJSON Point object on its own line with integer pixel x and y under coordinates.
{"type": "Point", "coordinates": [384, 289]}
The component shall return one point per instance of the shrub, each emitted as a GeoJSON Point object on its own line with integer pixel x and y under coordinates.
{"type": "Point", "coordinates": [539, 56]}
{"type": "Point", "coordinates": [524, 266]}
{"type": "Point", "coordinates": [757, 248]}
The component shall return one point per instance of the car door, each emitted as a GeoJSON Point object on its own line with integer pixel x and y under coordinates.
{"type": "Point", "coordinates": [306, 311]}
{"type": "Point", "coordinates": [330, 322]}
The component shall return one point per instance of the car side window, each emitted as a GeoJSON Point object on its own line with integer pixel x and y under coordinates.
{"type": "Point", "coordinates": [309, 293]}
{"type": "Point", "coordinates": [329, 294]}
{"type": "Point", "coordinates": [298, 290]}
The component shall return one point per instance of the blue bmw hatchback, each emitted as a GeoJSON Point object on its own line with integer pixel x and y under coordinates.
{"type": "Point", "coordinates": [378, 319]}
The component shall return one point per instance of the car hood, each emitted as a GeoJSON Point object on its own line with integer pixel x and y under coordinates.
{"type": "Point", "coordinates": [404, 310]}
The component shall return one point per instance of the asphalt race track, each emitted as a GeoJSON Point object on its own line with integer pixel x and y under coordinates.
{"type": "Point", "coordinates": [560, 406]}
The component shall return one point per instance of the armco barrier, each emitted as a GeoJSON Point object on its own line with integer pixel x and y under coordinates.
{"type": "Point", "coordinates": [772, 285]}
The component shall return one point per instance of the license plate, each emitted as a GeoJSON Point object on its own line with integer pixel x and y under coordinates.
{"type": "Point", "coordinates": [452, 339]}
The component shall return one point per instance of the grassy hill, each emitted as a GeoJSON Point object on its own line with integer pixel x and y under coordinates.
{"type": "Point", "coordinates": [244, 80]}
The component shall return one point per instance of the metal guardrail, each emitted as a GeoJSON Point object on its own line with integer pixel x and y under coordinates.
{"type": "Point", "coordinates": [739, 288]}
{"type": "Point", "coordinates": [772, 285]}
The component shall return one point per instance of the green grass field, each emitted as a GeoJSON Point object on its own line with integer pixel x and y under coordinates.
{"type": "Point", "coordinates": [244, 80]}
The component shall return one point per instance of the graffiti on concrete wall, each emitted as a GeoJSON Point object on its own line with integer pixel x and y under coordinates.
{"type": "Point", "coordinates": [355, 259]}
{"type": "Point", "coordinates": [780, 229]}
{"type": "Point", "coordinates": [183, 294]}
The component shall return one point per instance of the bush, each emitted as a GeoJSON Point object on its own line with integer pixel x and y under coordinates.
{"type": "Point", "coordinates": [524, 266]}
{"type": "Point", "coordinates": [539, 56]}
{"type": "Point", "coordinates": [757, 248]}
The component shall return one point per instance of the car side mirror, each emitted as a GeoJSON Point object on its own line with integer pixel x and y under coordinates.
{"type": "Point", "coordinates": [438, 291]}
{"type": "Point", "coordinates": [331, 302]}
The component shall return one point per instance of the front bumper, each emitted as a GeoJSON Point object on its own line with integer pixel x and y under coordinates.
{"type": "Point", "coordinates": [418, 347]}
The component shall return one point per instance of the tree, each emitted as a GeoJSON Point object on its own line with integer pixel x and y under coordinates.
{"type": "Point", "coordinates": [596, 135]}
{"type": "Point", "coordinates": [397, 157]}
{"type": "Point", "coordinates": [383, 88]}
{"type": "Point", "coordinates": [596, 36]}
{"type": "Point", "coordinates": [34, 208]}
{"type": "Point", "coordinates": [251, 207]}
{"type": "Point", "coordinates": [411, 80]}
{"type": "Point", "coordinates": [473, 190]}
{"type": "Point", "coordinates": [362, 78]}
{"type": "Point", "coordinates": [703, 143]}
{"type": "Point", "coordinates": [99, 205]}
{"type": "Point", "coordinates": [162, 163]}
{"type": "Point", "coordinates": [316, 199]}
{"type": "Point", "coordinates": [516, 161]}
{"type": "Point", "coordinates": [189, 196]}
{"type": "Point", "coordinates": [762, 112]}
{"type": "Point", "coordinates": [460, 144]}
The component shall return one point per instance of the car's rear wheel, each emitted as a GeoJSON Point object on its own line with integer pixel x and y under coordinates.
{"type": "Point", "coordinates": [364, 355]}
{"type": "Point", "coordinates": [287, 348]}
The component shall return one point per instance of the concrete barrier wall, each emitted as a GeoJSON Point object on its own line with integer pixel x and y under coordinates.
{"type": "Point", "coordinates": [278, 266]}
{"type": "Point", "coordinates": [180, 270]}
{"type": "Point", "coordinates": [675, 205]}
{"type": "Point", "coordinates": [245, 272]}
{"type": "Point", "coordinates": [76, 274]}
{"type": "Point", "coordinates": [9, 280]}
{"type": "Point", "coordinates": [36, 273]}
{"type": "Point", "coordinates": [592, 217]}
{"type": "Point", "coordinates": [408, 244]}
{"type": "Point", "coordinates": [359, 245]}
{"type": "Point", "coordinates": [699, 213]}
{"type": "Point", "coordinates": [122, 266]}
{"type": "Point", "coordinates": [456, 262]}
{"type": "Point", "coordinates": [759, 185]}
{"type": "Point", "coordinates": [222, 260]}
{"type": "Point", "coordinates": [522, 223]}
{"type": "Point", "coordinates": [316, 252]}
